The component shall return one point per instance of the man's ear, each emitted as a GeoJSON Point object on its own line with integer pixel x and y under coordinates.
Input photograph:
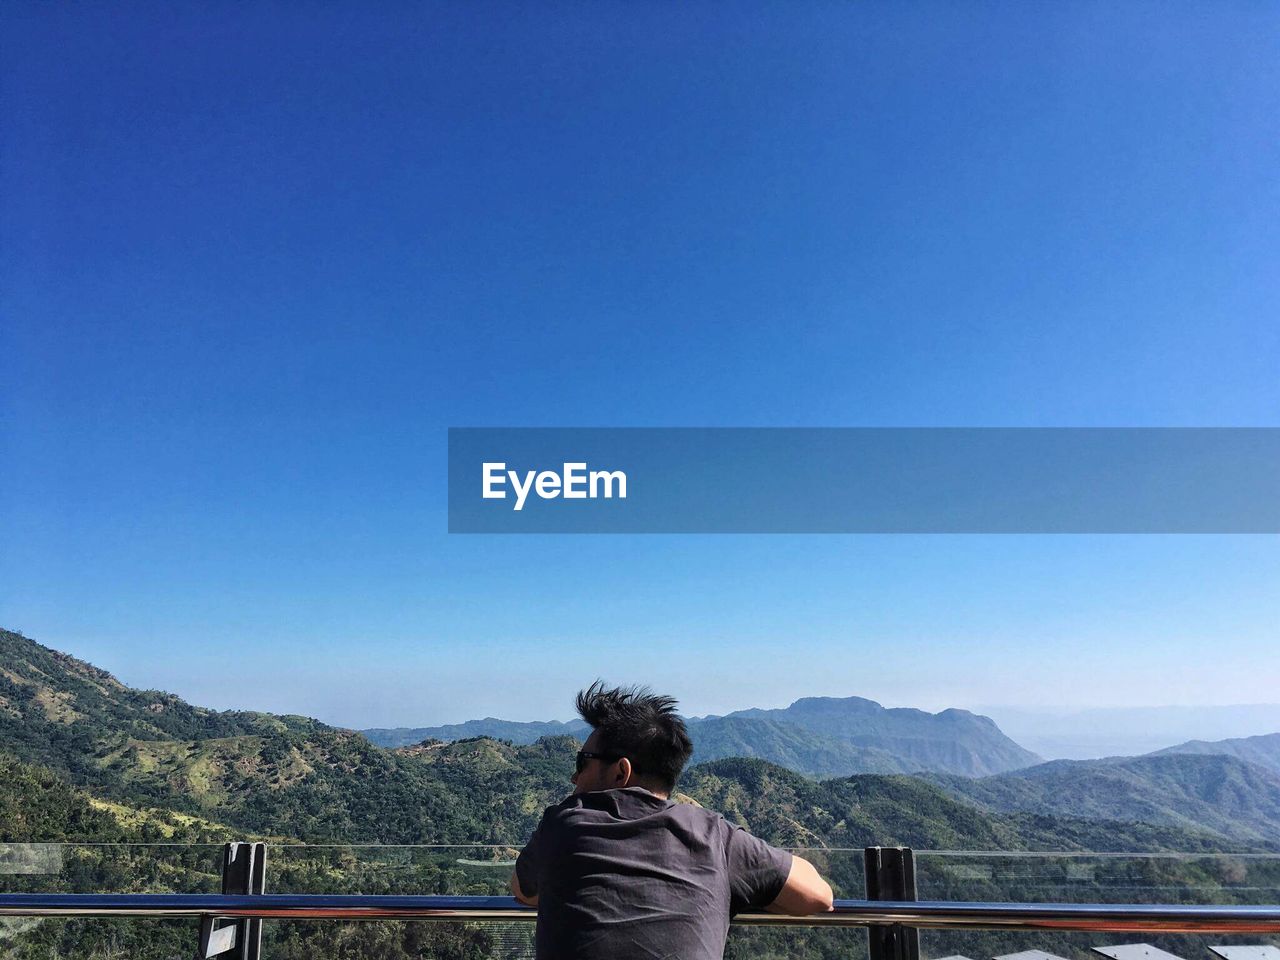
{"type": "Point", "coordinates": [624, 772]}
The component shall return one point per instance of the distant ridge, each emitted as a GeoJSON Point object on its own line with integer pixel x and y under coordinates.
{"type": "Point", "coordinates": [818, 736]}
{"type": "Point", "coordinates": [1238, 799]}
{"type": "Point", "coordinates": [1091, 733]}
{"type": "Point", "coordinates": [952, 741]}
{"type": "Point", "coordinates": [518, 732]}
{"type": "Point", "coordinates": [1263, 750]}
{"type": "Point", "coordinates": [788, 745]}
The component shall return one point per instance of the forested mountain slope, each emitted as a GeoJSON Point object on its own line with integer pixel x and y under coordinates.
{"type": "Point", "coordinates": [788, 745]}
{"type": "Point", "coordinates": [1231, 797]}
{"type": "Point", "coordinates": [952, 741]}
{"type": "Point", "coordinates": [1263, 750]}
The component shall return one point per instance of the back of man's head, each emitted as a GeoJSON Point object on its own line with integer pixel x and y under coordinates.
{"type": "Point", "coordinates": [641, 726]}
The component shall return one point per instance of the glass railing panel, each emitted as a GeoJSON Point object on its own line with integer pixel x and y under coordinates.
{"type": "Point", "coordinates": [104, 868]}
{"type": "Point", "coordinates": [1182, 878]}
{"type": "Point", "coordinates": [464, 870]}
{"type": "Point", "coordinates": [845, 870]}
{"type": "Point", "coordinates": [339, 869]}
{"type": "Point", "coordinates": [1090, 877]}
{"type": "Point", "coordinates": [484, 870]}
{"type": "Point", "coordinates": [110, 867]}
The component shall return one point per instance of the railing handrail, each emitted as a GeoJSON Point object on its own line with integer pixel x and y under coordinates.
{"type": "Point", "coordinates": [938, 915]}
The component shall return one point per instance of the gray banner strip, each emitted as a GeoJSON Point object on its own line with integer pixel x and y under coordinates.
{"type": "Point", "coordinates": [855, 480]}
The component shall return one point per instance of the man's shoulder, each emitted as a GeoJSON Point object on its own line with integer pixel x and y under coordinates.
{"type": "Point", "coordinates": [688, 810]}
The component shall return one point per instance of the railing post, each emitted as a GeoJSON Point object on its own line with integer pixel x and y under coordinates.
{"type": "Point", "coordinates": [891, 875]}
{"type": "Point", "coordinates": [244, 872]}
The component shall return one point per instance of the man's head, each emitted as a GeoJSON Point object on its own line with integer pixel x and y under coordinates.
{"type": "Point", "coordinates": [637, 740]}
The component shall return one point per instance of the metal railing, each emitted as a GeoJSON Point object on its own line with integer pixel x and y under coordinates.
{"type": "Point", "coordinates": [231, 922]}
{"type": "Point", "coordinates": [925, 914]}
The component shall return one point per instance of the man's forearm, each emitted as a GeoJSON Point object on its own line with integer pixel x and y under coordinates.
{"type": "Point", "coordinates": [519, 894]}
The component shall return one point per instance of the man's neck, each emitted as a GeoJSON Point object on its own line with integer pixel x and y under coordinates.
{"type": "Point", "coordinates": [660, 794]}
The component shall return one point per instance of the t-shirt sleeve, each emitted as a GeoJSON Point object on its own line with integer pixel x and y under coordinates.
{"type": "Point", "coordinates": [757, 871]}
{"type": "Point", "coordinates": [528, 864]}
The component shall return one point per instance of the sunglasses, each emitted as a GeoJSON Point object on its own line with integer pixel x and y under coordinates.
{"type": "Point", "coordinates": [585, 755]}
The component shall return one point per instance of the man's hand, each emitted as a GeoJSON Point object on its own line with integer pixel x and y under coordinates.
{"type": "Point", "coordinates": [805, 892]}
{"type": "Point", "coordinates": [520, 894]}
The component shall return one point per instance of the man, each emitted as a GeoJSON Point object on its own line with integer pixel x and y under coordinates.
{"type": "Point", "coordinates": [619, 871]}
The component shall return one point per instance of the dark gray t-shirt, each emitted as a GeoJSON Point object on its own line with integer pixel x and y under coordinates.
{"type": "Point", "coordinates": [625, 875]}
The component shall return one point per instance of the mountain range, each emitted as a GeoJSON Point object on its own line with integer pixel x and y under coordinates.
{"type": "Point", "coordinates": [1092, 733]}
{"type": "Point", "coordinates": [517, 731]}
{"type": "Point", "coordinates": [1263, 750]}
{"type": "Point", "coordinates": [952, 741]}
{"type": "Point", "coordinates": [819, 736]}
{"type": "Point", "coordinates": [155, 765]}
{"type": "Point", "coordinates": [1228, 795]}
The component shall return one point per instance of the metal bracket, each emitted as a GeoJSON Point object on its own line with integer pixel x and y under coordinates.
{"type": "Point", "coordinates": [244, 871]}
{"type": "Point", "coordinates": [891, 875]}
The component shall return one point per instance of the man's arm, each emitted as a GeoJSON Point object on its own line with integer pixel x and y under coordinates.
{"type": "Point", "coordinates": [520, 894]}
{"type": "Point", "coordinates": [804, 892]}
{"type": "Point", "coordinates": [527, 866]}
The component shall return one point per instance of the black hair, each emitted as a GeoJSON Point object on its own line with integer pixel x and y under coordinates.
{"type": "Point", "coordinates": [642, 726]}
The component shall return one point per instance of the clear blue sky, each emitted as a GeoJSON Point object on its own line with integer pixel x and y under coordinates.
{"type": "Point", "coordinates": [256, 259]}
